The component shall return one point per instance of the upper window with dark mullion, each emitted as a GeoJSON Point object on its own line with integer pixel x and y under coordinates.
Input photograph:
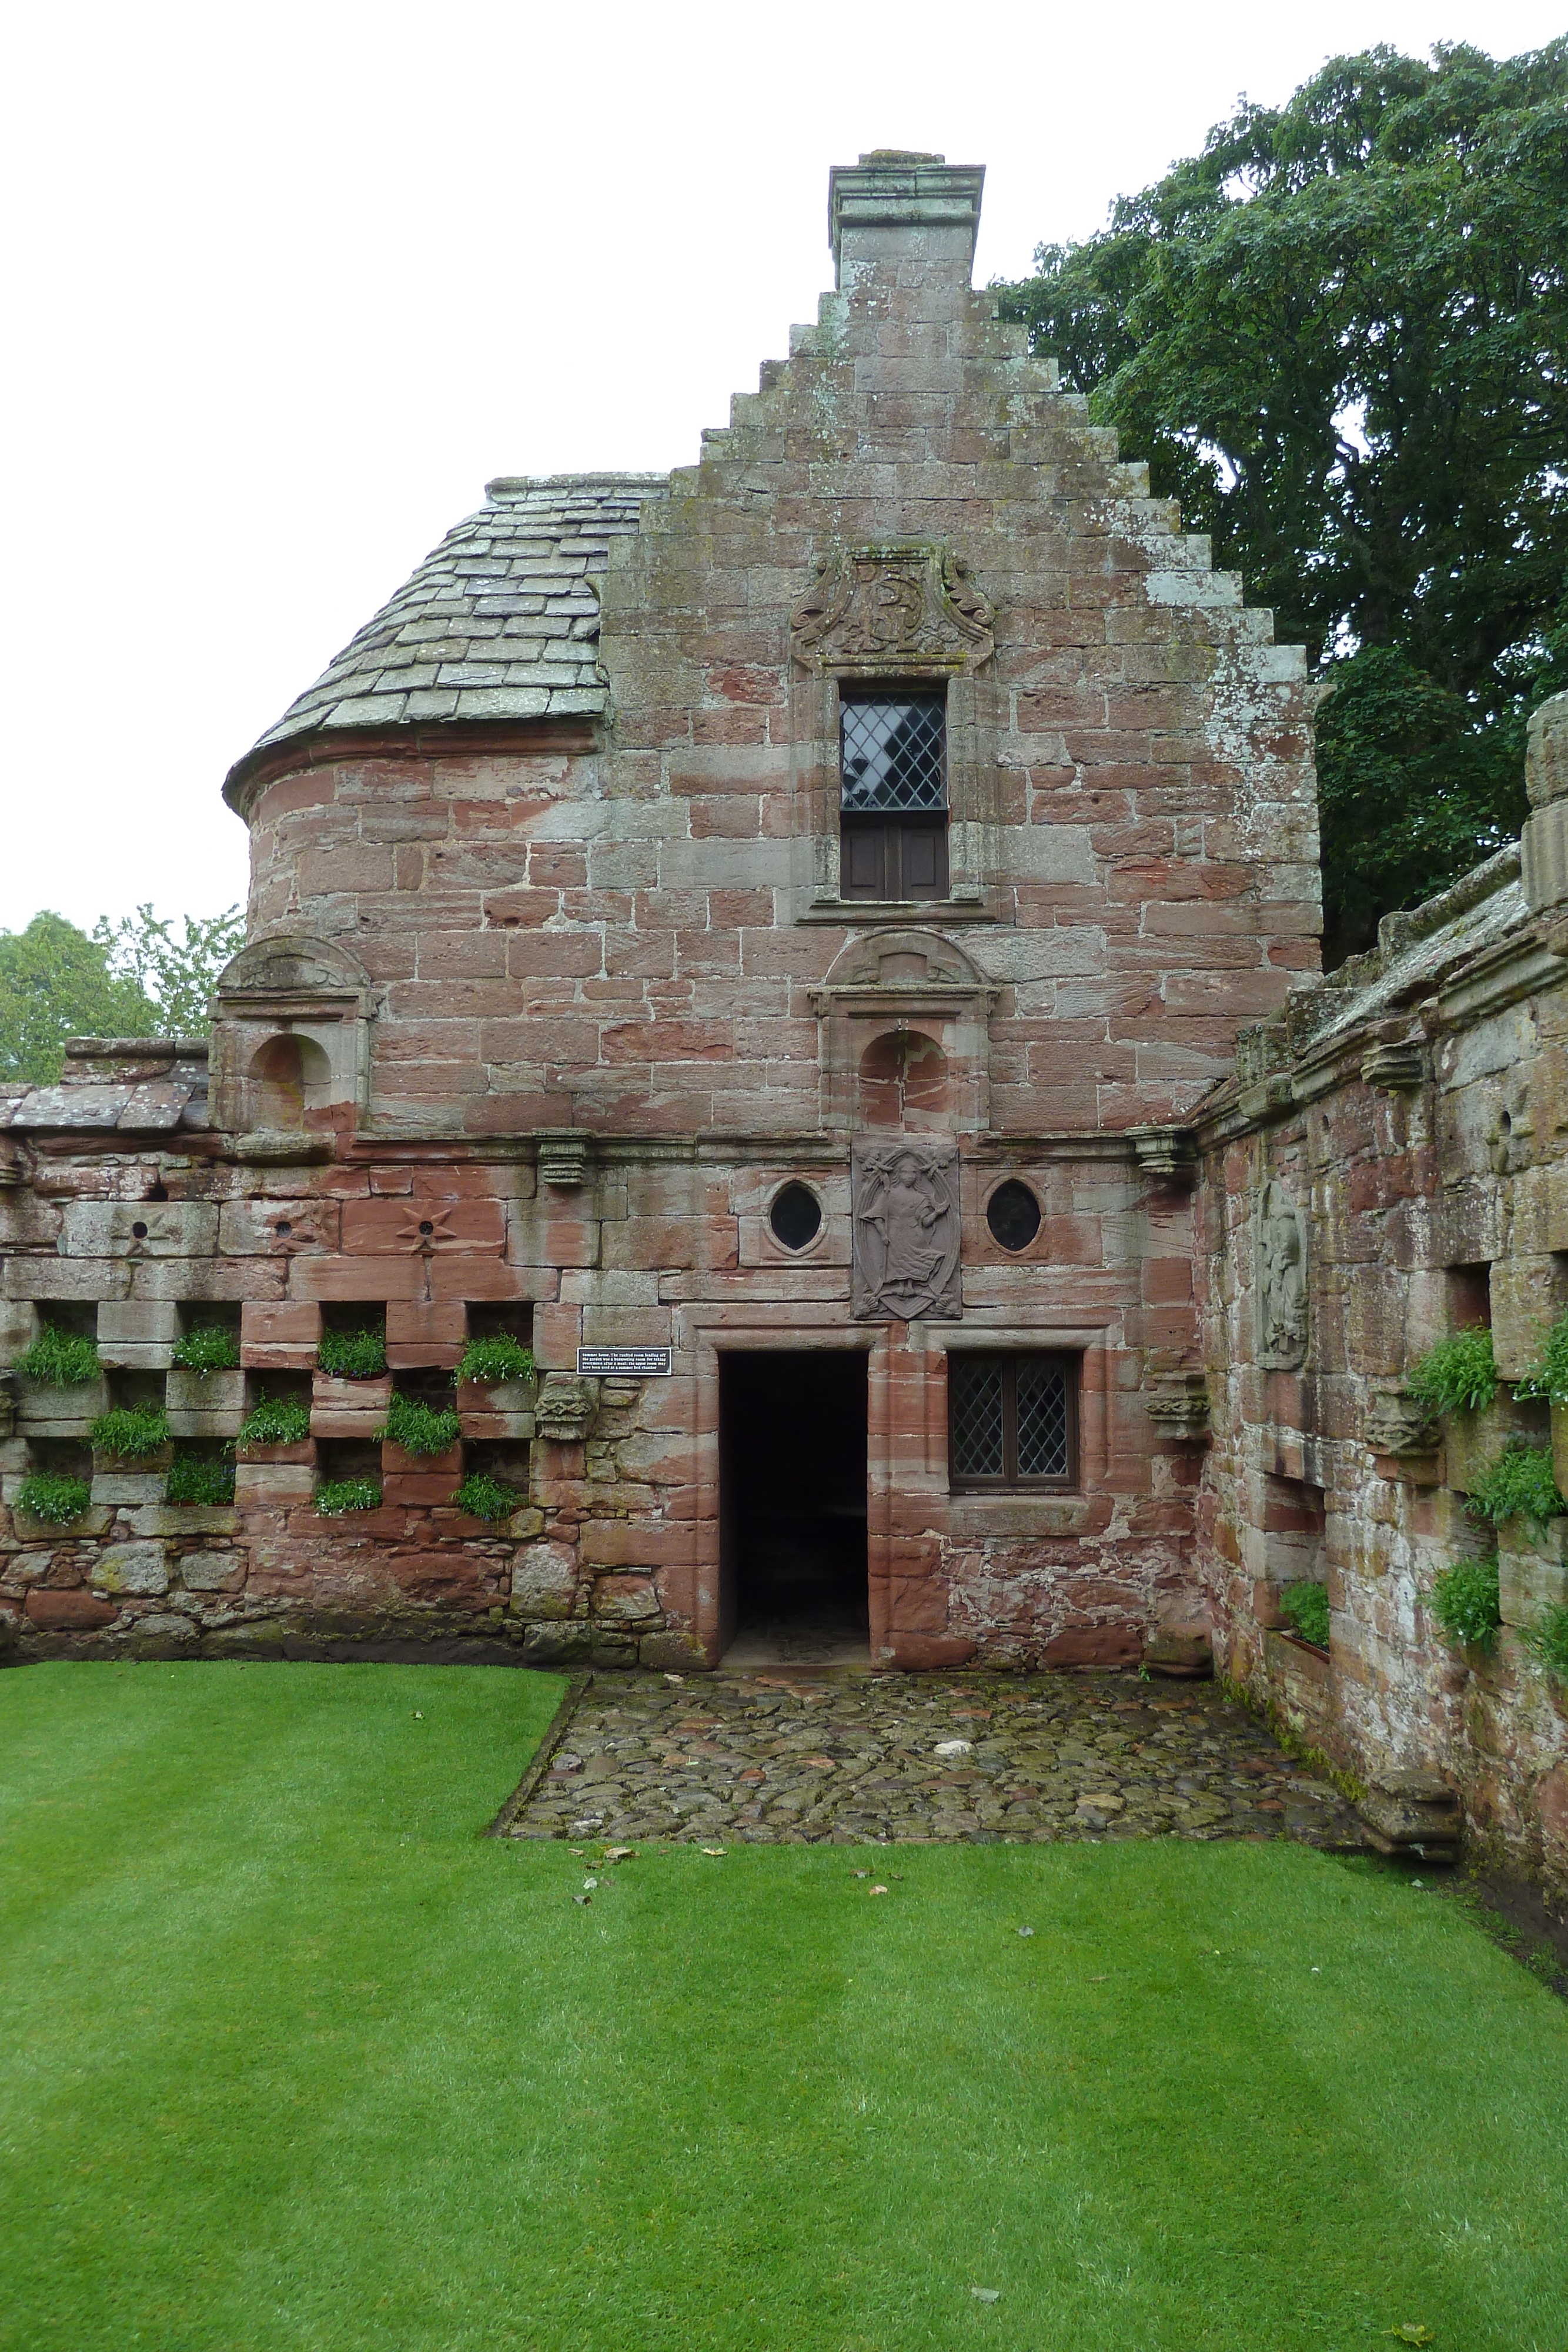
{"type": "Point", "coordinates": [894, 795]}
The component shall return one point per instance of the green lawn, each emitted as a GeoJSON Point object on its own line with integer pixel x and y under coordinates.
{"type": "Point", "coordinates": [292, 2058]}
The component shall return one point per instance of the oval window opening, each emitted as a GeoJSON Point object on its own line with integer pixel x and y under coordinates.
{"type": "Point", "coordinates": [796, 1217]}
{"type": "Point", "coordinates": [1012, 1214]}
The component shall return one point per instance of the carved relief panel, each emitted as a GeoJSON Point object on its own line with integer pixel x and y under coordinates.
{"type": "Point", "coordinates": [906, 609]}
{"type": "Point", "coordinates": [904, 1211]}
{"type": "Point", "coordinates": [1279, 1280]}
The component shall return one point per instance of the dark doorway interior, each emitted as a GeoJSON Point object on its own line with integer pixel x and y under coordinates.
{"type": "Point", "coordinates": [792, 1501]}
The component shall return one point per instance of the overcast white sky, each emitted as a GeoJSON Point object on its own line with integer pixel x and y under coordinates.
{"type": "Point", "coordinates": [287, 284]}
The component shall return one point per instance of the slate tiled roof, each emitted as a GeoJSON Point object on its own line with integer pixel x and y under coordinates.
{"type": "Point", "coordinates": [500, 621]}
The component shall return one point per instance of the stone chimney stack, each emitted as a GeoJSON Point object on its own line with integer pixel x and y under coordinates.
{"type": "Point", "coordinates": [892, 208]}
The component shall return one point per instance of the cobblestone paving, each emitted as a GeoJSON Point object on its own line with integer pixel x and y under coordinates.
{"type": "Point", "coordinates": [788, 1758]}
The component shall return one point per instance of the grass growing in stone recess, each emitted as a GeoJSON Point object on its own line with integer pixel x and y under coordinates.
{"type": "Point", "coordinates": [1306, 1604]}
{"type": "Point", "coordinates": [203, 1478]}
{"type": "Point", "coordinates": [60, 1360]}
{"type": "Point", "coordinates": [129, 1433]}
{"type": "Point", "coordinates": [275, 1420]}
{"type": "Point", "coordinates": [53, 1499]}
{"type": "Point", "coordinates": [295, 2058]}
{"type": "Point", "coordinates": [208, 1347]}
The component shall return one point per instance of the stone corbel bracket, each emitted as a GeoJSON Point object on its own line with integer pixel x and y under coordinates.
{"type": "Point", "coordinates": [567, 1408]}
{"type": "Point", "coordinates": [1403, 1436]}
{"type": "Point", "coordinates": [1179, 1407]}
{"type": "Point", "coordinates": [1164, 1151]}
{"type": "Point", "coordinates": [1396, 1069]}
{"type": "Point", "coordinates": [562, 1157]}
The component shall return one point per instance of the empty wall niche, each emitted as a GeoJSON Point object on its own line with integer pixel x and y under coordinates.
{"type": "Point", "coordinates": [288, 1076]}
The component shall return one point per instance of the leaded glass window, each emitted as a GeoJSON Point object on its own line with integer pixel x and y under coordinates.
{"type": "Point", "coordinates": [893, 796]}
{"type": "Point", "coordinates": [1012, 1420]}
{"type": "Point", "coordinates": [894, 755]}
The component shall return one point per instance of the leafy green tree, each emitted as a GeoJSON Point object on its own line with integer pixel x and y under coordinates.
{"type": "Point", "coordinates": [55, 982]}
{"type": "Point", "coordinates": [133, 978]}
{"type": "Point", "coordinates": [178, 974]}
{"type": "Point", "coordinates": [1340, 336]}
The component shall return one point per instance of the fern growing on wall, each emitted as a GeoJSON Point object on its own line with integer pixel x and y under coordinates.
{"type": "Point", "coordinates": [1466, 1602]}
{"type": "Point", "coordinates": [1548, 1377]}
{"type": "Point", "coordinates": [1520, 1484]}
{"type": "Point", "coordinates": [1458, 1375]}
{"type": "Point", "coordinates": [1306, 1604]}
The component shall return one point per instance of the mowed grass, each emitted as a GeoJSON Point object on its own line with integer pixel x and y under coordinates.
{"type": "Point", "coordinates": [292, 2057]}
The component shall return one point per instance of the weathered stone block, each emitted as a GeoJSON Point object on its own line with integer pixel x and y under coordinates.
{"type": "Point", "coordinates": [139, 1229]}
{"type": "Point", "coordinates": [69, 1613]}
{"type": "Point", "coordinates": [545, 1581]}
{"type": "Point", "coordinates": [281, 1336]}
{"type": "Point", "coordinates": [1531, 1568]}
{"type": "Point", "coordinates": [59, 1413]}
{"type": "Point", "coordinates": [211, 1571]}
{"type": "Point", "coordinates": [424, 1331]}
{"type": "Point", "coordinates": [272, 1486]}
{"type": "Point", "coordinates": [137, 1334]}
{"type": "Point", "coordinates": [132, 1567]}
{"type": "Point", "coordinates": [204, 1405]}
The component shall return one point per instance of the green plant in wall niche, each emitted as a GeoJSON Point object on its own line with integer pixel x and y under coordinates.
{"type": "Point", "coordinates": [1547, 1640]}
{"type": "Point", "coordinates": [1464, 1601]}
{"type": "Point", "coordinates": [200, 1479]}
{"type": "Point", "coordinates": [421, 1428]}
{"type": "Point", "coordinates": [1306, 1605]}
{"type": "Point", "coordinates": [1519, 1485]}
{"type": "Point", "coordinates": [131, 1431]}
{"type": "Point", "coordinates": [353, 1354]}
{"type": "Point", "coordinates": [1458, 1375]}
{"type": "Point", "coordinates": [210, 1347]}
{"type": "Point", "coordinates": [276, 1420]}
{"type": "Point", "coordinates": [60, 1360]}
{"type": "Point", "coordinates": [501, 1358]}
{"type": "Point", "coordinates": [1549, 1378]}
{"type": "Point", "coordinates": [57, 1502]}
{"type": "Point", "coordinates": [484, 1497]}
{"type": "Point", "coordinates": [340, 1495]}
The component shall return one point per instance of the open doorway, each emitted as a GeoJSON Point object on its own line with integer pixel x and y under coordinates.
{"type": "Point", "coordinates": [793, 1506]}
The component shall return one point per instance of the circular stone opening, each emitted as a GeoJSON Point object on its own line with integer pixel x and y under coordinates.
{"type": "Point", "coordinates": [1012, 1214]}
{"type": "Point", "coordinates": [139, 1231]}
{"type": "Point", "coordinates": [796, 1216]}
{"type": "Point", "coordinates": [426, 1225]}
{"type": "Point", "coordinates": [284, 1229]}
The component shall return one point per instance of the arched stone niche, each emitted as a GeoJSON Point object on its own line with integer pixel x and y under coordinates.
{"type": "Point", "coordinates": [905, 1036]}
{"type": "Point", "coordinates": [291, 1046]}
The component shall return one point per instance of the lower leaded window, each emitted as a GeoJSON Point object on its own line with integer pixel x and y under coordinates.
{"type": "Point", "coordinates": [1012, 1420]}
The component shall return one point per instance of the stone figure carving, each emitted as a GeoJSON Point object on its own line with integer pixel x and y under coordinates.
{"type": "Point", "coordinates": [912, 605]}
{"type": "Point", "coordinates": [1398, 1423]}
{"type": "Point", "coordinates": [1281, 1280]}
{"type": "Point", "coordinates": [905, 1217]}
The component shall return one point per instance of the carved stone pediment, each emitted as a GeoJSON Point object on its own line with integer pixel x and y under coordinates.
{"type": "Point", "coordinates": [294, 965]}
{"type": "Point", "coordinates": [904, 1209]}
{"type": "Point", "coordinates": [913, 965]}
{"type": "Point", "coordinates": [909, 608]}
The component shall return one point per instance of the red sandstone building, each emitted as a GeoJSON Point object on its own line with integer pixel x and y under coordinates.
{"type": "Point", "coordinates": [776, 917]}
{"type": "Point", "coordinates": [823, 948]}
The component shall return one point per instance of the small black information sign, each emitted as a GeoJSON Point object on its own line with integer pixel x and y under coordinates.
{"type": "Point", "coordinates": [623, 1363]}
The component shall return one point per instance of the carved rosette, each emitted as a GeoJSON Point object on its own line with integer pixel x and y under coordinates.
{"type": "Point", "coordinates": [904, 1211]}
{"type": "Point", "coordinates": [910, 608]}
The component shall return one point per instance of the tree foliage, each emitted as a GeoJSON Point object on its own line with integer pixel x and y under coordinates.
{"type": "Point", "coordinates": [135, 978]}
{"type": "Point", "coordinates": [1340, 337]}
